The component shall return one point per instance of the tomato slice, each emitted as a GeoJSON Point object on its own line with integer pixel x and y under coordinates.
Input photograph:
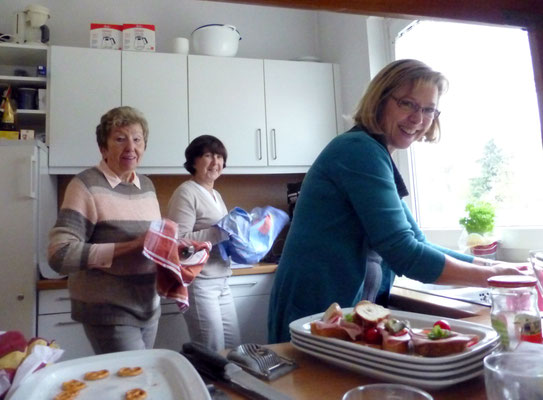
{"type": "Point", "coordinates": [373, 336]}
{"type": "Point", "coordinates": [443, 324]}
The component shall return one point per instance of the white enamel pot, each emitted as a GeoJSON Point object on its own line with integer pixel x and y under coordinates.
{"type": "Point", "coordinates": [216, 40]}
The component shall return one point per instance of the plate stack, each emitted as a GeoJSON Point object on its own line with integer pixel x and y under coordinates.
{"type": "Point", "coordinates": [430, 373]}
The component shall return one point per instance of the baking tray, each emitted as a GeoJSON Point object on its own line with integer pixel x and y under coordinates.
{"type": "Point", "coordinates": [167, 375]}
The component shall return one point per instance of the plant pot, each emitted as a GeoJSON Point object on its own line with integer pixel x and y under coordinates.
{"type": "Point", "coordinates": [485, 251]}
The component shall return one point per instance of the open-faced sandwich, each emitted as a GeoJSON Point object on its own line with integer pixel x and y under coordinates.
{"type": "Point", "coordinates": [371, 325]}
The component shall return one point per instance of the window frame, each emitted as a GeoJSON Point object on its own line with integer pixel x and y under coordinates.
{"type": "Point", "coordinates": [515, 241]}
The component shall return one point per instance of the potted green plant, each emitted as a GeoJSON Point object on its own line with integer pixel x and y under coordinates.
{"type": "Point", "coordinates": [479, 228]}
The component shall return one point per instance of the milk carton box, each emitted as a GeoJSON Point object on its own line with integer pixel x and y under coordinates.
{"type": "Point", "coordinates": [139, 37]}
{"type": "Point", "coordinates": [106, 36]}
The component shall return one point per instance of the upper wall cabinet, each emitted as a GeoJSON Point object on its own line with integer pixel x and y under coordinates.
{"type": "Point", "coordinates": [226, 97]}
{"type": "Point", "coordinates": [300, 110]}
{"type": "Point", "coordinates": [266, 112]}
{"type": "Point", "coordinates": [156, 84]}
{"type": "Point", "coordinates": [86, 83]}
{"type": "Point", "coordinates": [83, 85]}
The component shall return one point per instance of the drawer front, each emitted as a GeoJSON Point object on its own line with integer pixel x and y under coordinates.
{"type": "Point", "coordinates": [68, 334]}
{"type": "Point", "coordinates": [54, 301]}
{"type": "Point", "coordinates": [251, 285]}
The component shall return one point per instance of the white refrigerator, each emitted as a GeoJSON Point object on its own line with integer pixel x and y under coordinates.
{"type": "Point", "coordinates": [28, 210]}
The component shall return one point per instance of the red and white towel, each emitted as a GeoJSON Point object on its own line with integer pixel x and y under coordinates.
{"type": "Point", "coordinates": [175, 272]}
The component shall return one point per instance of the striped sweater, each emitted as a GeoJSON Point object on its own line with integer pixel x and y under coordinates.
{"type": "Point", "coordinates": [94, 215]}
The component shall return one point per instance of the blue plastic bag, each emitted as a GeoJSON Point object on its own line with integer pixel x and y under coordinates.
{"type": "Point", "coordinates": [251, 235]}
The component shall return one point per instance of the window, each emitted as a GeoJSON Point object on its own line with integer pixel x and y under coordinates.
{"type": "Point", "coordinates": [491, 137]}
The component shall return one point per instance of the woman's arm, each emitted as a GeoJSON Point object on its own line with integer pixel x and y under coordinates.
{"type": "Point", "coordinates": [183, 209]}
{"type": "Point", "coordinates": [458, 272]}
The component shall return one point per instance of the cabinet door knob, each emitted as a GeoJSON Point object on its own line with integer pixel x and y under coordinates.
{"type": "Point", "coordinates": [20, 297]}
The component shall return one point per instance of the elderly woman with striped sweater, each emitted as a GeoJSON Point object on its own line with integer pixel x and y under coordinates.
{"type": "Point", "coordinates": [98, 240]}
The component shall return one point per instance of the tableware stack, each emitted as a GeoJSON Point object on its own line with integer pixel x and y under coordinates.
{"type": "Point", "coordinates": [430, 373]}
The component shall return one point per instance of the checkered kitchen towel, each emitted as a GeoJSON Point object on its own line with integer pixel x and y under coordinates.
{"type": "Point", "coordinates": [180, 260]}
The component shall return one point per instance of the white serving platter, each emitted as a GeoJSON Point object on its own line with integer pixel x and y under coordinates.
{"type": "Point", "coordinates": [488, 337]}
{"type": "Point", "coordinates": [167, 375]}
{"type": "Point", "coordinates": [385, 376]}
{"type": "Point", "coordinates": [445, 368]}
{"type": "Point", "coordinates": [404, 370]}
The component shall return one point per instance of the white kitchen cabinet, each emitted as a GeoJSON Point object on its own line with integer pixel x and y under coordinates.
{"type": "Point", "coordinates": [300, 110]}
{"type": "Point", "coordinates": [266, 112]}
{"type": "Point", "coordinates": [85, 83]}
{"type": "Point", "coordinates": [156, 84]}
{"type": "Point", "coordinates": [28, 198]}
{"type": "Point", "coordinates": [226, 97]}
{"type": "Point", "coordinates": [55, 323]}
{"type": "Point", "coordinates": [252, 296]}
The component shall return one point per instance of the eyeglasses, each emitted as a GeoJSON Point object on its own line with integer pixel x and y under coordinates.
{"type": "Point", "coordinates": [412, 107]}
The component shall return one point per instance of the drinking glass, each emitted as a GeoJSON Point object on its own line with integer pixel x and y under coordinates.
{"type": "Point", "coordinates": [386, 391]}
{"type": "Point", "coordinates": [514, 376]}
{"type": "Point", "coordinates": [536, 260]}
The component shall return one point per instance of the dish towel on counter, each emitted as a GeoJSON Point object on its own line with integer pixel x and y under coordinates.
{"type": "Point", "coordinates": [251, 235]}
{"type": "Point", "coordinates": [180, 260]}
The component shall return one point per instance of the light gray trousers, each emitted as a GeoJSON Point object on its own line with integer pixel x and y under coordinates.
{"type": "Point", "coordinates": [112, 338]}
{"type": "Point", "coordinates": [211, 318]}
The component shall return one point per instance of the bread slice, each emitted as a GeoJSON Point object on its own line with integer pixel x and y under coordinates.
{"type": "Point", "coordinates": [367, 313]}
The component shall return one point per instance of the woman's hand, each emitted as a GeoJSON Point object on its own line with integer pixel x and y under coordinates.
{"type": "Point", "coordinates": [505, 268]}
{"type": "Point", "coordinates": [128, 247]}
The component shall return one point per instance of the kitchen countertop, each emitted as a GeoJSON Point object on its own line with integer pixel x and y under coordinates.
{"type": "Point", "coordinates": [316, 379]}
{"type": "Point", "coordinates": [260, 268]}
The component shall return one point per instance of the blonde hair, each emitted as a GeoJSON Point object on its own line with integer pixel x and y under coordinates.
{"type": "Point", "coordinates": [120, 117]}
{"type": "Point", "coordinates": [369, 111]}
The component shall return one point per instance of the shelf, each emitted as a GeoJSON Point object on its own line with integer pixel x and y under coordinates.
{"type": "Point", "coordinates": [23, 81]}
{"type": "Point", "coordinates": [29, 117]}
{"type": "Point", "coordinates": [29, 55]}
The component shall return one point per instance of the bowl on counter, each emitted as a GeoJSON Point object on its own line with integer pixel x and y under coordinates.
{"type": "Point", "coordinates": [216, 40]}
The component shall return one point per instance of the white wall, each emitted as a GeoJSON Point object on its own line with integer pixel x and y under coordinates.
{"type": "Point", "coordinates": [344, 40]}
{"type": "Point", "coordinates": [266, 32]}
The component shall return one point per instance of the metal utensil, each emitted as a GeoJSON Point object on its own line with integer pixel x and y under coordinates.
{"type": "Point", "coordinates": [260, 361]}
{"type": "Point", "coordinates": [212, 364]}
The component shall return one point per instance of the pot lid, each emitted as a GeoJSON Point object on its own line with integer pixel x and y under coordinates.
{"type": "Point", "coordinates": [512, 281]}
{"type": "Point", "coordinates": [232, 27]}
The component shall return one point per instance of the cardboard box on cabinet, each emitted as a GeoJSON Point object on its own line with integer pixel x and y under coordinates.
{"type": "Point", "coordinates": [139, 37]}
{"type": "Point", "coordinates": [106, 36]}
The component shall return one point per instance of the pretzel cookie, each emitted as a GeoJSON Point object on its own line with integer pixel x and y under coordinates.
{"type": "Point", "coordinates": [130, 371]}
{"type": "Point", "coordinates": [66, 395]}
{"type": "Point", "coordinates": [95, 375]}
{"type": "Point", "coordinates": [136, 394]}
{"type": "Point", "coordinates": [73, 386]}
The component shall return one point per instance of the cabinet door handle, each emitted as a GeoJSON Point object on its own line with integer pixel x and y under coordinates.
{"type": "Point", "coordinates": [259, 139]}
{"type": "Point", "coordinates": [68, 323]}
{"type": "Point", "coordinates": [63, 299]}
{"type": "Point", "coordinates": [32, 185]}
{"type": "Point", "coordinates": [250, 284]}
{"type": "Point", "coordinates": [274, 142]}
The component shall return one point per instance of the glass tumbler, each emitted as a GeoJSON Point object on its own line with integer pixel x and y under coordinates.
{"type": "Point", "coordinates": [386, 391]}
{"type": "Point", "coordinates": [514, 376]}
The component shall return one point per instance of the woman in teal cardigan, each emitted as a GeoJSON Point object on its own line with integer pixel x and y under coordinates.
{"type": "Point", "coordinates": [351, 232]}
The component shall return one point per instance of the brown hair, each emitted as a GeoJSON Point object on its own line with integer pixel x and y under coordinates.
{"type": "Point", "coordinates": [396, 74]}
{"type": "Point", "coordinates": [201, 145]}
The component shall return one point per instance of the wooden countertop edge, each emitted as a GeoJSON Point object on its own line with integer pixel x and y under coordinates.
{"type": "Point", "coordinates": [261, 268]}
